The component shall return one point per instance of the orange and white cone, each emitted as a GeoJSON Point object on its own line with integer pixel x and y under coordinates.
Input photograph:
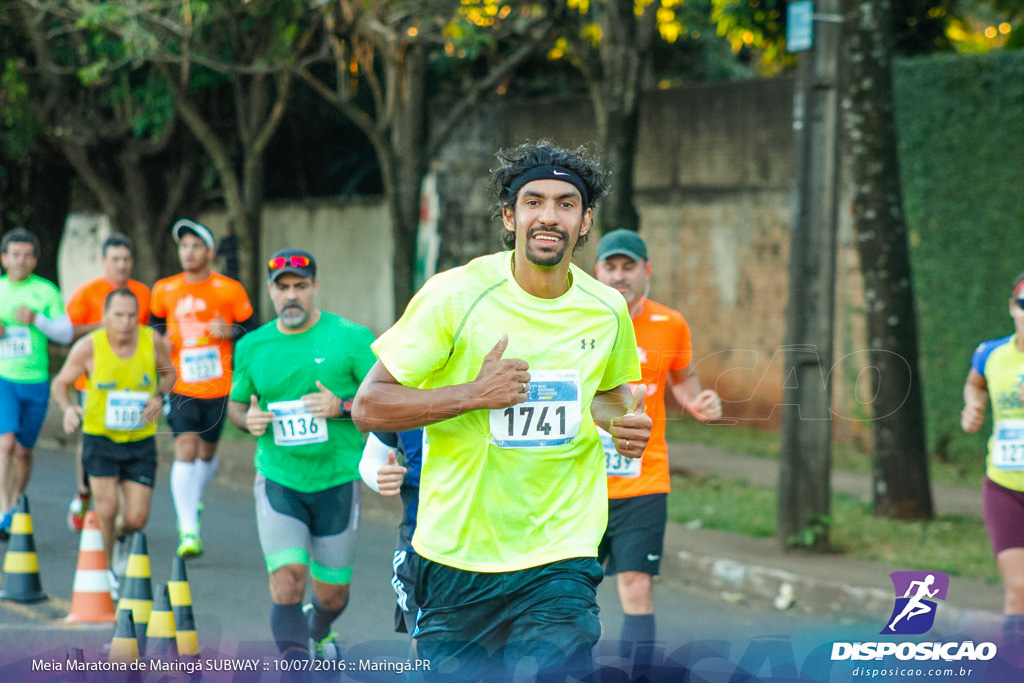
{"type": "Point", "coordinates": [90, 597]}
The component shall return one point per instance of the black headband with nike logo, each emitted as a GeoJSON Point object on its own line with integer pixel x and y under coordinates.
{"type": "Point", "coordinates": [549, 173]}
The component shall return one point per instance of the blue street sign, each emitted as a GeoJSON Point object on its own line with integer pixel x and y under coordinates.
{"type": "Point", "coordinates": [799, 26]}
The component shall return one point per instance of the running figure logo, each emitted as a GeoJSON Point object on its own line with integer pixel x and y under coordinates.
{"type": "Point", "coordinates": [914, 611]}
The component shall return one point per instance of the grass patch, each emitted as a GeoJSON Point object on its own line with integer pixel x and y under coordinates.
{"type": "Point", "coordinates": [765, 444]}
{"type": "Point", "coordinates": [952, 544]}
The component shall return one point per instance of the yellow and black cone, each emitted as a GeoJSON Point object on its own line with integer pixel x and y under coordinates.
{"type": "Point", "coordinates": [21, 580]}
{"type": "Point", "coordinates": [137, 588]}
{"type": "Point", "coordinates": [185, 635]}
{"type": "Point", "coordinates": [124, 647]}
{"type": "Point", "coordinates": [160, 634]}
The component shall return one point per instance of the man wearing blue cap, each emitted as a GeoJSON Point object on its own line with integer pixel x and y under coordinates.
{"type": "Point", "coordinates": [638, 488]}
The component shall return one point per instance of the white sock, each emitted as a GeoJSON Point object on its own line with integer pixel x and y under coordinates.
{"type": "Point", "coordinates": [205, 471]}
{"type": "Point", "coordinates": [185, 493]}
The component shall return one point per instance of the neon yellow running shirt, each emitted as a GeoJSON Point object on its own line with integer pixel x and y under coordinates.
{"type": "Point", "coordinates": [118, 389]}
{"type": "Point", "coordinates": [1002, 366]}
{"type": "Point", "coordinates": [511, 489]}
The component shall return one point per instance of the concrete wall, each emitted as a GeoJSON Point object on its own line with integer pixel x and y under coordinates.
{"type": "Point", "coordinates": [350, 240]}
{"type": "Point", "coordinates": [714, 174]}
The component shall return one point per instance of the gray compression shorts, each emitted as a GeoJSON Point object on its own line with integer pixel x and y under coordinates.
{"type": "Point", "coordinates": [317, 529]}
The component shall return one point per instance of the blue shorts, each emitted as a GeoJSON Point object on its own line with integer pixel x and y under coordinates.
{"type": "Point", "coordinates": [475, 625]}
{"type": "Point", "coordinates": [23, 409]}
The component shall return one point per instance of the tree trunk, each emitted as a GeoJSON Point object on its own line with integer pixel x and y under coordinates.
{"type": "Point", "coordinates": [900, 472]}
{"type": "Point", "coordinates": [625, 49]}
{"type": "Point", "coordinates": [405, 167]}
{"type": "Point", "coordinates": [49, 190]}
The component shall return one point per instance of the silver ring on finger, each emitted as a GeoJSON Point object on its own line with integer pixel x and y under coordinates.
{"type": "Point", "coordinates": [526, 388]}
{"type": "Point", "coordinates": [627, 444]}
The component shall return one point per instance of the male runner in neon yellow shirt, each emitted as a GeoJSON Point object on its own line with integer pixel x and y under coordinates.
{"type": "Point", "coordinates": [128, 376]}
{"type": "Point", "coordinates": [508, 361]}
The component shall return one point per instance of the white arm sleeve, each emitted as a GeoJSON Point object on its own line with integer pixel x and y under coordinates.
{"type": "Point", "coordinates": [375, 454]}
{"type": "Point", "coordinates": [58, 330]}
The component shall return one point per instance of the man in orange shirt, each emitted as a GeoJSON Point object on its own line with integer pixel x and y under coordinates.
{"type": "Point", "coordinates": [638, 488]}
{"type": "Point", "coordinates": [85, 308]}
{"type": "Point", "coordinates": [203, 313]}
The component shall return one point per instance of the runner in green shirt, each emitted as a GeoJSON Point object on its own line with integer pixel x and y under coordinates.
{"type": "Point", "coordinates": [31, 314]}
{"type": "Point", "coordinates": [293, 382]}
{"type": "Point", "coordinates": [508, 361]}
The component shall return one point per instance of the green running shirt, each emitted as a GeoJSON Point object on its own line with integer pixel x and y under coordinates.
{"type": "Point", "coordinates": [23, 349]}
{"type": "Point", "coordinates": [298, 451]}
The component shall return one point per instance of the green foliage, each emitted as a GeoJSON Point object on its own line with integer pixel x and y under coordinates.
{"type": "Point", "coordinates": [19, 129]}
{"type": "Point", "coordinates": [962, 166]}
{"type": "Point", "coordinates": [952, 544]}
{"type": "Point", "coordinates": [813, 534]}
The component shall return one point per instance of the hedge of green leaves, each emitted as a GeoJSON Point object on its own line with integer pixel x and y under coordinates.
{"type": "Point", "coordinates": [960, 122]}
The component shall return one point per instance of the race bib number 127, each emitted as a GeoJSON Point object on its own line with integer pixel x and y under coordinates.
{"type": "Point", "coordinates": [1008, 445]}
{"type": "Point", "coordinates": [550, 416]}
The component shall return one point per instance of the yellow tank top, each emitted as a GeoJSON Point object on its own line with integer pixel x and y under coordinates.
{"type": "Point", "coordinates": [119, 388]}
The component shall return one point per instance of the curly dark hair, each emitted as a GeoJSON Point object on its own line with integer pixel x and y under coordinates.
{"type": "Point", "coordinates": [514, 162]}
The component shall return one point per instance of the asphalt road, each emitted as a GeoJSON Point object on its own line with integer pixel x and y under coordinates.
{"type": "Point", "coordinates": [231, 601]}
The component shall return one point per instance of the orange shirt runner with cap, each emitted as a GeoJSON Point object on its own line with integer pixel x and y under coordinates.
{"type": "Point", "coordinates": [85, 307]}
{"type": "Point", "coordinates": [203, 362]}
{"type": "Point", "coordinates": [663, 342]}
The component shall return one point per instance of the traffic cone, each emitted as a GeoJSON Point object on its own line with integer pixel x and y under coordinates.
{"type": "Point", "coordinates": [181, 605]}
{"type": "Point", "coordinates": [124, 647]}
{"type": "Point", "coordinates": [90, 597]}
{"type": "Point", "coordinates": [137, 588]}
{"type": "Point", "coordinates": [160, 634]}
{"type": "Point", "coordinates": [21, 580]}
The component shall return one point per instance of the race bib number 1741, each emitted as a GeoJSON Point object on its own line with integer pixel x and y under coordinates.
{"type": "Point", "coordinates": [550, 416]}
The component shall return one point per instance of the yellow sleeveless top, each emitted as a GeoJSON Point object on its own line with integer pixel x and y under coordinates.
{"type": "Point", "coordinates": [119, 388]}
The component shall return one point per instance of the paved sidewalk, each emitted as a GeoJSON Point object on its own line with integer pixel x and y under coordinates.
{"type": "Point", "coordinates": [745, 568]}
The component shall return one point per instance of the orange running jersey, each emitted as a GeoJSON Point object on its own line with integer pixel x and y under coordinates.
{"type": "Point", "coordinates": [85, 307]}
{"type": "Point", "coordinates": [203, 363]}
{"type": "Point", "coordinates": [663, 342]}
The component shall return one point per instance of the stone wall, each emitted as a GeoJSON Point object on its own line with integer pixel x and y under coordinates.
{"type": "Point", "coordinates": [714, 175]}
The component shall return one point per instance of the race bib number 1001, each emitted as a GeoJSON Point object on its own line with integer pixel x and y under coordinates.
{"type": "Point", "coordinates": [294, 425]}
{"type": "Point", "coordinates": [550, 416]}
{"type": "Point", "coordinates": [1008, 445]}
{"type": "Point", "coordinates": [124, 410]}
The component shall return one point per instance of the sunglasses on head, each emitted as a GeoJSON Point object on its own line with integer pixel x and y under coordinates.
{"type": "Point", "coordinates": [294, 261]}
